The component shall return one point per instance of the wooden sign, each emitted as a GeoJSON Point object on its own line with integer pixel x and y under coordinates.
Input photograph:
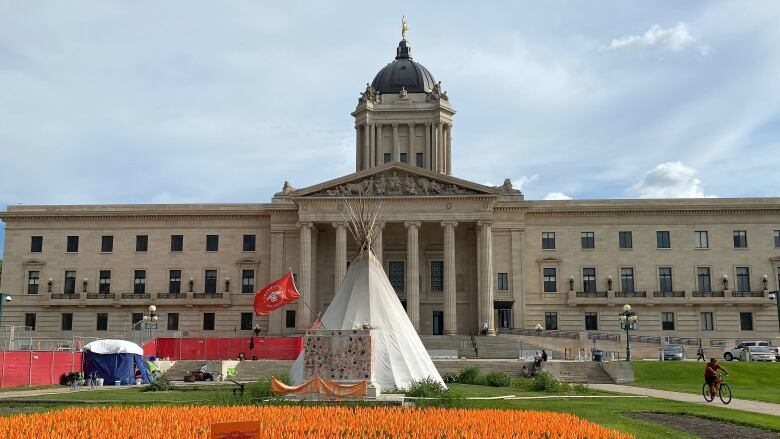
{"type": "Point", "coordinates": [236, 430]}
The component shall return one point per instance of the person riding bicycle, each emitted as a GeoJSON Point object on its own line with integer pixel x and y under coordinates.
{"type": "Point", "coordinates": [711, 375]}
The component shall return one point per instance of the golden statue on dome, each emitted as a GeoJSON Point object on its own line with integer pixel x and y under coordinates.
{"type": "Point", "coordinates": [404, 27]}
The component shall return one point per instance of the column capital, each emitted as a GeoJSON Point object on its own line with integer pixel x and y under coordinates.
{"type": "Point", "coordinates": [428, 124]}
{"type": "Point", "coordinates": [337, 224]}
{"type": "Point", "coordinates": [412, 124]}
{"type": "Point", "coordinates": [448, 223]}
{"type": "Point", "coordinates": [306, 224]}
{"type": "Point", "coordinates": [395, 125]}
{"type": "Point", "coordinates": [485, 223]}
{"type": "Point", "coordinates": [415, 224]}
{"type": "Point", "coordinates": [438, 125]}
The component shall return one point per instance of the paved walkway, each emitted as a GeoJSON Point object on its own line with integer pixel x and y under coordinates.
{"type": "Point", "coordinates": [54, 390]}
{"type": "Point", "coordinates": [736, 404]}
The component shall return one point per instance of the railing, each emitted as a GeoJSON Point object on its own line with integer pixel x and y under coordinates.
{"type": "Point", "coordinates": [171, 295]}
{"type": "Point", "coordinates": [135, 296]}
{"type": "Point", "coordinates": [206, 295]}
{"type": "Point", "coordinates": [668, 293]}
{"type": "Point", "coordinates": [644, 339]}
{"type": "Point", "coordinates": [591, 294]}
{"type": "Point", "coordinates": [64, 296]}
{"type": "Point", "coordinates": [708, 294]}
{"type": "Point", "coordinates": [603, 336]}
{"type": "Point", "coordinates": [630, 293]}
{"type": "Point", "coordinates": [747, 294]}
{"type": "Point", "coordinates": [101, 296]}
{"type": "Point", "coordinates": [545, 333]}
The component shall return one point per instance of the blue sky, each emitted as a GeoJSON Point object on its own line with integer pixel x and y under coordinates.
{"type": "Point", "coordinates": [194, 101]}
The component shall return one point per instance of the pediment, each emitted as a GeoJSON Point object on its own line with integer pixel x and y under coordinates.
{"type": "Point", "coordinates": [395, 180]}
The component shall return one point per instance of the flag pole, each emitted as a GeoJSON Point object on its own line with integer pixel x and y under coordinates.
{"type": "Point", "coordinates": [304, 302]}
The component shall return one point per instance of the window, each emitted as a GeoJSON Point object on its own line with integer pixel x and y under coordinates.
{"type": "Point", "coordinates": [208, 321]}
{"type": "Point", "coordinates": [589, 280]}
{"type": "Point", "coordinates": [70, 283]}
{"type": "Point", "coordinates": [667, 321]}
{"type": "Point", "coordinates": [503, 282]}
{"type": "Point", "coordinates": [33, 277]}
{"type": "Point", "coordinates": [289, 318]}
{"type": "Point", "coordinates": [139, 282]}
{"type": "Point", "coordinates": [551, 321]}
{"type": "Point", "coordinates": [174, 281]}
{"type": "Point", "coordinates": [505, 318]}
{"type": "Point", "coordinates": [627, 279]}
{"type": "Point", "coordinates": [587, 240]}
{"type": "Point", "coordinates": [420, 162]}
{"type": "Point", "coordinates": [746, 321]}
{"type": "Point", "coordinates": [777, 238]}
{"type": "Point", "coordinates": [591, 321]}
{"type": "Point", "coordinates": [177, 243]}
{"type": "Point", "coordinates": [36, 244]}
{"type": "Point", "coordinates": [29, 321]}
{"type": "Point", "coordinates": [73, 244]}
{"type": "Point", "coordinates": [247, 281]}
{"type": "Point", "coordinates": [66, 321]}
{"type": "Point", "coordinates": [106, 244]}
{"type": "Point", "coordinates": [246, 321]}
{"type": "Point", "coordinates": [141, 243]}
{"type": "Point", "coordinates": [740, 239]}
{"type": "Point", "coordinates": [707, 322]}
{"type": "Point", "coordinates": [550, 280]}
{"type": "Point", "coordinates": [173, 321]}
{"type": "Point", "coordinates": [395, 271]}
{"type": "Point", "coordinates": [625, 240]}
{"type": "Point", "coordinates": [404, 158]}
{"type": "Point", "coordinates": [548, 240]}
{"type": "Point", "coordinates": [662, 240]}
{"type": "Point", "coordinates": [210, 286]}
{"type": "Point", "coordinates": [437, 276]}
{"type": "Point", "coordinates": [743, 279]}
{"type": "Point", "coordinates": [249, 243]}
{"type": "Point", "coordinates": [387, 157]}
{"type": "Point", "coordinates": [665, 279]}
{"type": "Point", "coordinates": [104, 282]}
{"type": "Point", "coordinates": [703, 279]}
{"type": "Point", "coordinates": [136, 318]}
{"type": "Point", "coordinates": [102, 321]}
{"type": "Point", "coordinates": [701, 239]}
{"type": "Point", "coordinates": [212, 243]}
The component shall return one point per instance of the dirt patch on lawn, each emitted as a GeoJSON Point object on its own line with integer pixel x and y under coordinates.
{"type": "Point", "coordinates": [706, 428]}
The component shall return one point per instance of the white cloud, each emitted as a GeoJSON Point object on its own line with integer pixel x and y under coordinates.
{"type": "Point", "coordinates": [520, 183]}
{"type": "Point", "coordinates": [670, 180]}
{"type": "Point", "coordinates": [556, 196]}
{"type": "Point", "coordinates": [676, 39]}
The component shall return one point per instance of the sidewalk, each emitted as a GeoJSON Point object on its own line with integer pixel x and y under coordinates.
{"type": "Point", "coordinates": [56, 390]}
{"type": "Point", "coordinates": [736, 404]}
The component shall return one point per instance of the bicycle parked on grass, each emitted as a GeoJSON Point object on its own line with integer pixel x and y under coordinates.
{"type": "Point", "coordinates": [724, 391]}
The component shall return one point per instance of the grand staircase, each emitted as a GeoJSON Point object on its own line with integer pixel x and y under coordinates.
{"type": "Point", "coordinates": [499, 347]}
{"type": "Point", "coordinates": [582, 372]}
{"type": "Point", "coordinates": [254, 370]}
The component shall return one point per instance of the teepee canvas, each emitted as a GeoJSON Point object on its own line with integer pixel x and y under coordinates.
{"type": "Point", "coordinates": [366, 299]}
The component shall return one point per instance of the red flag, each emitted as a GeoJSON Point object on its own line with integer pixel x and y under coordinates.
{"type": "Point", "coordinates": [276, 294]}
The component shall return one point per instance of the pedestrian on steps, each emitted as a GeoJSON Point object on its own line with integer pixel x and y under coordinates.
{"type": "Point", "coordinates": [544, 355]}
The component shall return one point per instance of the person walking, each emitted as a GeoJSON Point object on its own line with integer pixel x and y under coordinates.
{"type": "Point", "coordinates": [485, 328]}
{"type": "Point", "coordinates": [700, 353]}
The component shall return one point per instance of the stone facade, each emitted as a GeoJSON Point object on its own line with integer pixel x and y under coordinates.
{"type": "Point", "coordinates": [459, 253]}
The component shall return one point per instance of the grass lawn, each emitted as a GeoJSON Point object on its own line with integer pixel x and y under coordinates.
{"type": "Point", "coordinates": [754, 380]}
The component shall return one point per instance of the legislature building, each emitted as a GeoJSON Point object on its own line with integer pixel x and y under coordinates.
{"type": "Point", "coordinates": [458, 253]}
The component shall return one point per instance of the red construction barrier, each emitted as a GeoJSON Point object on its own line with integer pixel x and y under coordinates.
{"type": "Point", "coordinates": [264, 348]}
{"type": "Point", "coordinates": [36, 368]}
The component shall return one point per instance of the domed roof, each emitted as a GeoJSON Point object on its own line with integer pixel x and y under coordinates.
{"type": "Point", "coordinates": [403, 73]}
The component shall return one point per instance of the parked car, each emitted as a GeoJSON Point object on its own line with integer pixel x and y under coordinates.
{"type": "Point", "coordinates": [760, 353]}
{"type": "Point", "coordinates": [736, 352]}
{"type": "Point", "coordinates": [673, 352]}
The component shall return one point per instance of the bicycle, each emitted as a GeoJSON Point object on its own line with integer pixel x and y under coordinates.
{"type": "Point", "coordinates": [724, 391]}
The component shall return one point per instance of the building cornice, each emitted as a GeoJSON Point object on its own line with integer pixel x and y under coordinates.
{"type": "Point", "coordinates": [143, 212]}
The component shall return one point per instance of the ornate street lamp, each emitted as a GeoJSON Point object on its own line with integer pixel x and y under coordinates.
{"type": "Point", "coordinates": [628, 322]}
{"type": "Point", "coordinates": [3, 298]}
{"type": "Point", "coordinates": [150, 320]}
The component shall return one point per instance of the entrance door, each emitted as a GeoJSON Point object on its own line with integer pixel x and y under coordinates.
{"type": "Point", "coordinates": [438, 322]}
{"type": "Point", "coordinates": [504, 318]}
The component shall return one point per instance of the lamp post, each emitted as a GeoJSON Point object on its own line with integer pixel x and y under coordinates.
{"type": "Point", "coordinates": [150, 319]}
{"type": "Point", "coordinates": [628, 321]}
{"type": "Point", "coordinates": [775, 296]}
{"type": "Point", "coordinates": [3, 298]}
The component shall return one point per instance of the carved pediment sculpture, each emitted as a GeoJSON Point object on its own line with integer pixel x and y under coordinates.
{"type": "Point", "coordinates": [394, 184]}
{"type": "Point", "coordinates": [370, 95]}
{"type": "Point", "coordinates": [437, 93]}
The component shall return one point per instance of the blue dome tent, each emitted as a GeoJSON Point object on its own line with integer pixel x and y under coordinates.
{"type": "Point", "coordinates": [115, 360]}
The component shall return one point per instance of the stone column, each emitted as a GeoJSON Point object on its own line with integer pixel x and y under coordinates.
{"type": "Point", "coordinates": [518, 310]}
{"type": "Point", "coordinates": [304, 276]}
{"type": "Point", "coordinates": [486, 293]}
{"type": "Point", "coordinates": [440, 146]}
{"type": "Point", "coordinates": [410, 155]}
{"type": "Point", "coordinates": [277, 270]}
{"type": "Point", "coordinates": [450, 302]}
{"type": "Point", "coordinates": [372, 139]}
{"type": "Point", "coordinates": [340, 254]}
{"type": "Point", "coordinates": [448, 150]}
{"type": "Point", "coordinates": [413, 273]}
{"type": "Point", "coordinates": [435, 147]}
{"type": "Point", "coordinates": [379, 154]}
{"type": "Point", "coordinates": [378, 243]}
{"type": "Point", "coordinates": [396, 146]}
{"type": "Point", "coordinates": [358, 156]}
{"type": "Point", "coordinates": [427, 148]}
{"type": "Point", "coordinates": [366, 147]}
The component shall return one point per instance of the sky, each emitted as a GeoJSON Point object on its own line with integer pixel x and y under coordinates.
{"type": "Point", "coordinates": [106, 102]}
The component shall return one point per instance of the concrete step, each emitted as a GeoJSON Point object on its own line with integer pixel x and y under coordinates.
{"type": "Point", "coordinates": [580, 372]}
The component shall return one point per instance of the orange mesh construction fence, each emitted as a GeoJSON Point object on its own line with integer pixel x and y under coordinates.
{"type": "Point", "coordinates": [320, 385]}
{"type": "Point", "coordinates": [194, 422]}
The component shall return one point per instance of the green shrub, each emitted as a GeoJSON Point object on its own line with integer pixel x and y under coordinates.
{"type": "Point", "coordinates": [159, 384]}
{"type": "Point", "coordinates": [581, 388]}
{"type": "Point", "coordinates": [498, 379]}
{"type": "Point", "coordinates": [545, 382]}
{"type": "Point", "coordinates": [426, 388]}
{"type": "Point", "coordinates": [471, 375]}
{"type": "Point", "coordinates": [451, 377]}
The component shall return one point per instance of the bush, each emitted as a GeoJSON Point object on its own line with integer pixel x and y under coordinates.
{"type": "Point", "coordinates": [451, 377]}
{"type": "Point", "coordinates": [426, 388]}
{"type": "Point", "coordinates": [545, 382]}
{"type": "Point", "coordinates": [471, 375]}
{"type": "Point", "coordinates": [498, 379]}
{"type": "Point", "coordinates": [581, 388]}
{"type": "Point", "coordinates": [159, 384]}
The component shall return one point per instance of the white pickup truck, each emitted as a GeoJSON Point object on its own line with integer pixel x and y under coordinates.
{"type": "Point", "coordinates": [737, 353]}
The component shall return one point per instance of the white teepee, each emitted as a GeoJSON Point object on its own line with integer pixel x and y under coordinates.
{"type": "Point", "coordinates": [367, 298]}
